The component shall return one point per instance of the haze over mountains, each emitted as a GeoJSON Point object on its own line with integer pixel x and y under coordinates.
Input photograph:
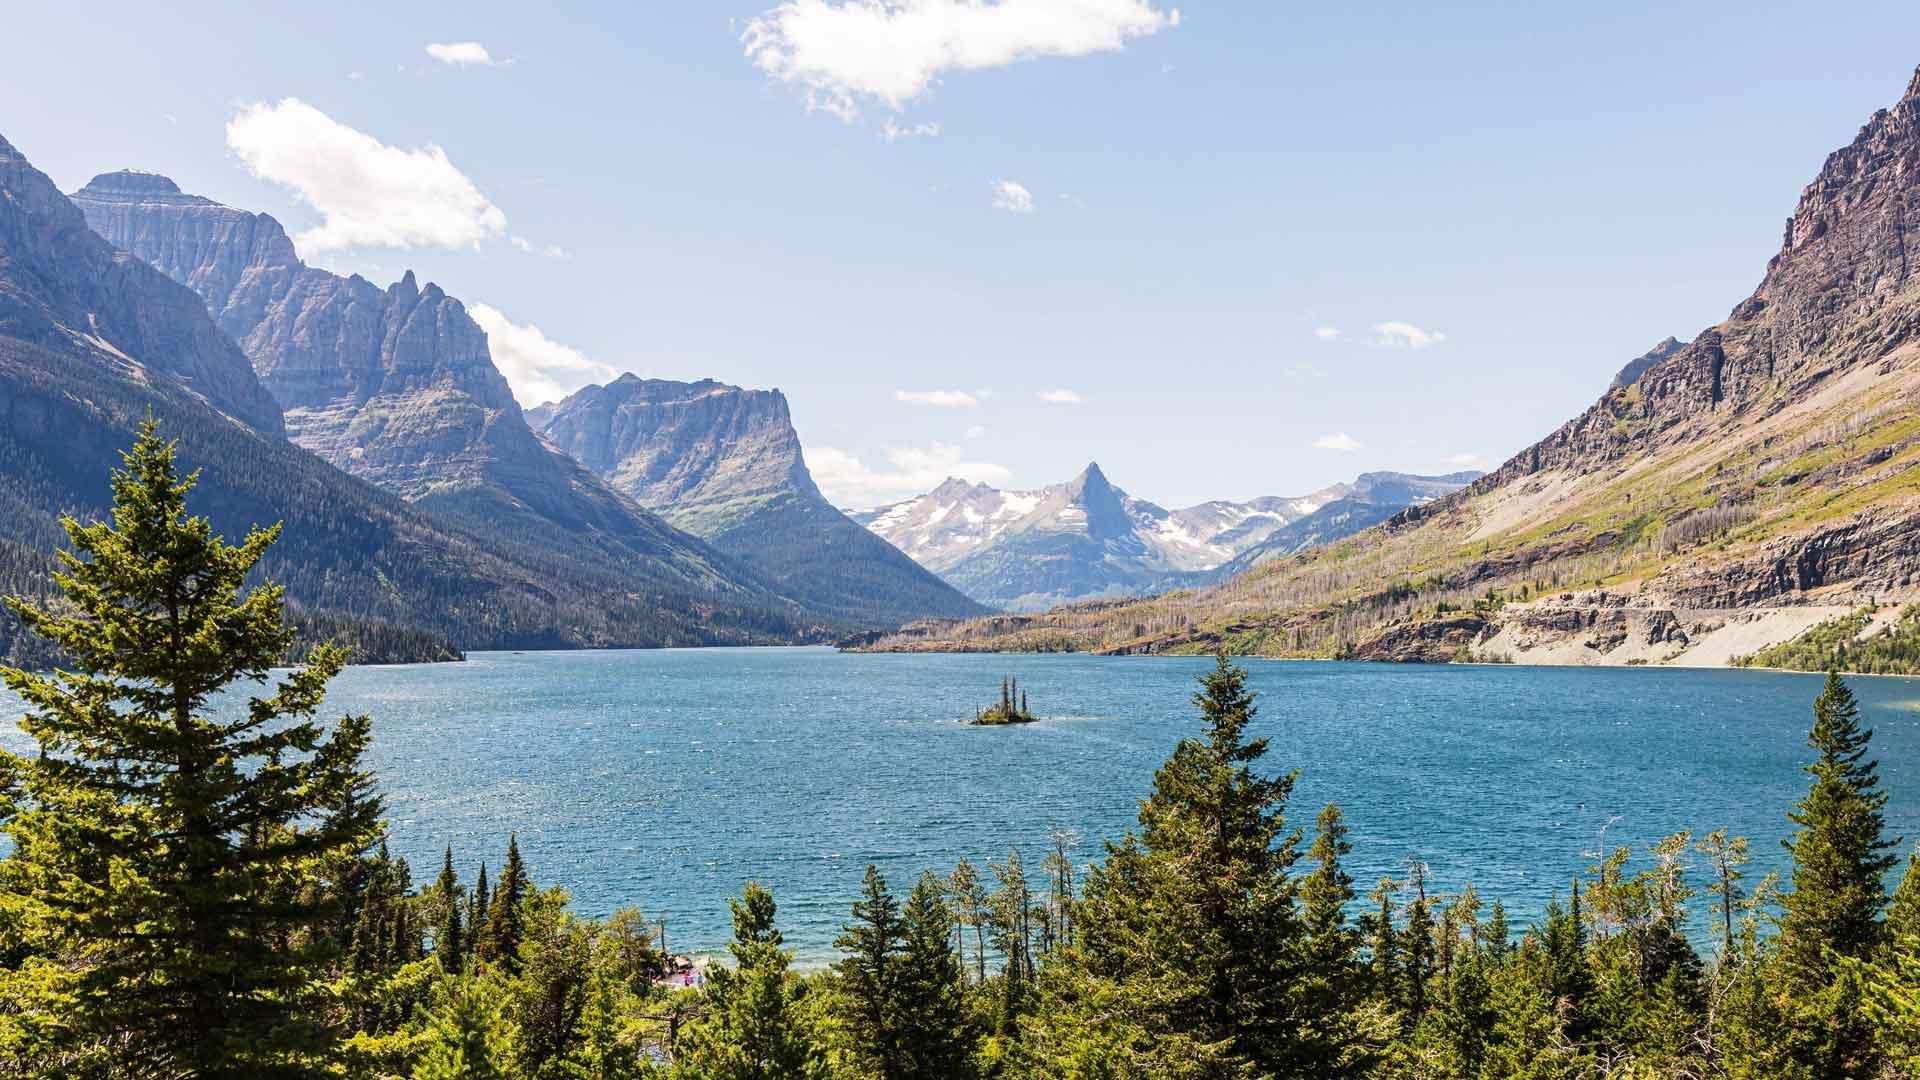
{"type": "Point", "coordinates": [1722, 495]}
{"type": "Point", "coordinates": [1086, 538]}
{"type": "Point", "coordinates": [397, 385]}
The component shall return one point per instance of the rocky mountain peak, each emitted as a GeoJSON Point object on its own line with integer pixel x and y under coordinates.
{"type": "Point", "coordinates": [1636, 367]}
{"type": "Point", "coordinates": [132, 182]}
{"type": "Point", "coordinates": [953, 487]}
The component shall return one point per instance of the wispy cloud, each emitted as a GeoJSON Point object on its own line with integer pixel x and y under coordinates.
{"type": "Point", "coordinates": [1060, 397]}
{"type": "Point", "coordinates": [1328, 333]}
{"type": "Point", "coordinates": [893, 132]}
{"type": "Point", "coordinates": [368, 194]}
{"type": "Point", "coordinates": [538, 368]}
{"type": "Point", "coordinates": [943, 399]}
{"type": "Point", "coordinates": [1405, 335]}
{"type": "Point", "coordinates": [1012, 197]}
{"type": "Point", "coordinates": [909, 471]}
{"type": "Point", "coordinates": [841, 53]}
{"type": "Point", "coordinates": [1338, 440]}
{"type": "Point", "coordinates": [1466, 461]}
{"type": "Point", "coordinates": [461, 53]}
{"type": "Point", "coordinates": [551, 251]}
{"type": "Point", "coordinates": [1304, 370]}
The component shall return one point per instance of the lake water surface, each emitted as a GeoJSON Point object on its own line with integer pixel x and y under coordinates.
{"type": "Point", "coordinates": [666, 779]}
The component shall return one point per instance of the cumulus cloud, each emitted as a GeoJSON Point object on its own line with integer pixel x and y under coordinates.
{"type": "Point", "coordinates": [1012, 197]}
{"type": "Point", "coordinates": [1403, 335]}
{"type": "Point", "coordinates": [368, 194]}
{"type": "Point", "coordinates": [460, 53]}
{"type": "Point", "coordinates": [1327, 333]}
{"type": "Point", "coordinates": [1338, 440]}
{"type": "Point", "coordinates": [538, 368]}
{"type": "Point", "coordinates": [943, 399]}
{"type": "Point", "coordinates": [893, 132]}
{"type": "Point", "coordinates": [1060, 397]}
{"type": "Point", "coordinates": [909, 471]}
{"type": "Point", "coordinates": [891, 51]}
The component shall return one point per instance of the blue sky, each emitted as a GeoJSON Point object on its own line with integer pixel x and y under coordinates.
{"type": "Point", "coordinates": [1118, 246]}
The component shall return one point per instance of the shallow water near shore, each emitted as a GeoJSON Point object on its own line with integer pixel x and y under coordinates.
{"type": "Point", "coordinates": [666, 779]}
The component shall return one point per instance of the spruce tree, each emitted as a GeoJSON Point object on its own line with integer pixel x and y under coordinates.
{"type": "Point", "coordinates": [477, 916]}
{"type": "Point", "coordinates": [970, 900]}
{"type": "Point", "coordinates": [753, 1028]}
{"type": "Point", "coordinates": [868, 975]}
{"type": "Point", "coordinates": [449, 943]}
{"type": "Point", "coordinates": [506, 922]}
{"type": "Point", "coordinates": [1840, 855]}
{"type": "Point", "coordinates": [167, 849]}
{"type": "Point", "coordinates": [935, 1037]}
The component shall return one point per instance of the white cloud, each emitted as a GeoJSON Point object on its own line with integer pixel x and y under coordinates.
{"type": "Point", "coordinates": [942, 399]}
{"type": "Point", "coordinates": [1327, 333]}
{"type": "Point", "coordinates": [1060, 397]}
{"type": "Point", "coordinates": [1402, 335]}
{"type": "Point", "coordinates": [551, 251]}
{"type": "Point", "coordinates": [1339, 440]}
{"type": "Point", "coordinates": [538, 368]}
{"type": "Point", "coordinates": [893, 132]}
{"type": "Point", "coordinates": [1465, 461]}
{"type": "Point", "coordinates": [368, 194]}
{"type": "Point", "coordinates": [910, 471]}
{"type": "Point", "coordinates": [892, 51]}
{"type": "Point", "coordinates": [977, 431]}
{"type": "Point", "coordinates": [460, 53]}
{"type": "Point", "coordinates": [1013, 197]}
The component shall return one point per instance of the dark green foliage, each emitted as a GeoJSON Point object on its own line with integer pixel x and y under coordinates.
{"type": "Point", "coordinates": [753, 1026]}
{"type": "Point", "coordinates": [499, 945]}
{"type": "Point", "coordinates": [1836, 645]}
{"type": "Point", "coordinates": [165, 866]}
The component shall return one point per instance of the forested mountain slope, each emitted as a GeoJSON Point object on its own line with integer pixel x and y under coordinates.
{"type": "Point", "coordinates": [396, 386]}
{"type": "Point", "coordinates": [92, 340]}
{"type": "Point", "coordinates": [1731, 494]}
{"type": "Point", "coordinates": [725, 464]}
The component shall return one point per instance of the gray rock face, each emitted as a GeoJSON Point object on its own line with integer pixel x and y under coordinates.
{"type": "Point", "coordinates": [64, 283]}
{"type": "Point", "coordinates": [726, 465]}
{"type": "Point", "coordinates": [1087, 539]}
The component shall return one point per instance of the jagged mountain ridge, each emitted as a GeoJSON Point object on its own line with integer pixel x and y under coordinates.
{"type": "Point", "coordinates": [93, 340]}
{"type": "Point", "coordinates": [1745, 486]}
{"type": "Point", "coordinates": [725, 464]}
{"type": "Point", "coordinates": [1086, 538]}
{"type": "Point", "coordinates": [397, 386]}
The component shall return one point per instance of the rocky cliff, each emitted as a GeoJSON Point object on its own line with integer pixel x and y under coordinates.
{"type": "Point", "coordinates": [93, 340]}
{"type": "Point", "coordinates": [394, 385]}
{"type": "Point", "coordinates": [726, 465]}
{"type": "Point", "coordinates": [1721, 496]}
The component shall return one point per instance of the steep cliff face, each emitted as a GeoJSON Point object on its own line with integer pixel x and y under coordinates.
{"type": "Point", "coordinates": [726, 465]}
{"type": "Point", "coordinates": [92, 341]}
{"type": "Point", "coordinates": [1721, 496]}
{"type": "Point", "coordinates": [63, 284]}
{"type": "Point", "coordinates": [394, 385]}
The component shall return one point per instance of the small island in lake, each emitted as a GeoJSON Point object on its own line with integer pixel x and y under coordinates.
{"type": "Point", "coordinates": [1011, 708]}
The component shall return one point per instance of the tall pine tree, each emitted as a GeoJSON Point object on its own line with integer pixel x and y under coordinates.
{"type": "Point", "coordinates": [869, 974]}
{"type": "Point", "coordinates": [167, 851]}
{"type": "Point", "coordinates": [753, 1027]}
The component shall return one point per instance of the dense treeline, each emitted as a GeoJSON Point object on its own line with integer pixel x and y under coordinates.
{"type": "Point", "coordinates": [1837, 644]}
{"type": "Point", "coordinates": [188, 896]}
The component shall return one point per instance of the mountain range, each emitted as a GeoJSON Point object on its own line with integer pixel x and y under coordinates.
{"type": "Point", "coordinates": [725, 464]}
{"type": "Point", "coordinates": [1087, 539]}
{"type": "Point", "coordinates": [1722, 495]}
{"type": "Point", "coordinates": [398, 386]}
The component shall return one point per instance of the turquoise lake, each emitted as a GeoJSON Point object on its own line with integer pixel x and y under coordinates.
{"type": "Point", "coordinates": [666, 779]}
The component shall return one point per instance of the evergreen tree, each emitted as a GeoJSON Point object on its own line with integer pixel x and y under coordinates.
{"type": "Point", "coordinates": [506, 922]}
{"type": "Point", "coordinates": [1903, 911]}
{"type": "Point", "coordinates": [1417, 948]}
{"type": "Point", "coordinates": [1333, 978]}
{"type": "Point", "coordinates": [869, 975]}
{"type": "Point", "coordinates": [753, 1027]}
{"type": "Point", "coordinates": [477, 916]}
{"type": "Point", "coordinates": [448, 936]}
{"type": "Point", "coordinates": [1725, 856]}
{"type": "Point", "coordinates": [166, 863]}
{"type": "Point", "coordinates": [469, 1035]}
{"type": "Point", "coordinates": [1011, 910]}
{"type": "Point", "coordinates": [1188, 940]}
{"type": "Point", "coordinates": [1840, 855]}
{"type": "Point", "coordinates": [935, 1037]}
{"type": "Point", "coordinates": [970, 900]}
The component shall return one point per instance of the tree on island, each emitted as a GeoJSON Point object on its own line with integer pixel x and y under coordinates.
{"type": "Point", "coordinates": [166, 869]}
